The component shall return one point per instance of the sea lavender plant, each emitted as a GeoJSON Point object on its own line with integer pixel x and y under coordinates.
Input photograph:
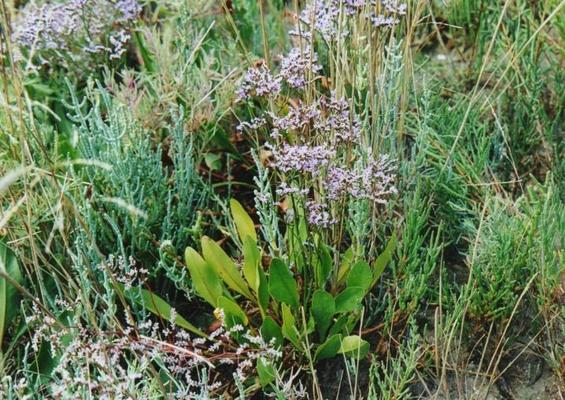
{"type": "Point", "coordinates": [297, 65]}
{"type": "Point", "coordinates": [329, 17]}
{"type": "Point", "coordinates": [321, 16]}
{"type": "Point", "coordinates": [321, 155]}
{"type": "Point", "coordinates": [120, 361]}
{"type": "Point", "coordinates": [74, 32]}
{"type": "Point", "coordinates": [260, 82]}
{"type": "Point", "coordinates": [302, 159]}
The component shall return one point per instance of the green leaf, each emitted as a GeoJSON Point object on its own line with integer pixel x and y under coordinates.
{"type": "Point", "coordinates": [338, 325]}
{"type": "Point", "coordinates": [8, 293]}
{"type": "Point", "coordinates": [233, 313]}
{"type": "Point", "coordinates": [224, 266]}
{"type": "Point", "coordinates": [251, 259]}
{"type": "Point", "coordinates": [271, 330]}
{"type": "Point", "coordinates": [148, 61]}
{"type": "Point", "coordinates": [159, 307]}
{"type": "Point", "coordinates": [346, 261]}
{"type": "Point", "coordinates": [349, 299]}
{"type": "Point", "coordinates": [266, 372]}
{"type": "Point", "coordinates": [297, 236]}
{"type": "Point", "coordinates": [206, 282]}
{"type": "Point", "coordinates": [323, 310]}
{"type": "Point", "coordinates": [282, 285]}
{"type": "Point", "coordinates": [289, 329]}
{"type": "Point", "coordinates": [213, 161]}
{"type": "Point", "coordinates": [354, 346]}
{"type": "Point", "coordinates": [329, 348]}
{"type": "Point", "coordinates": [383, 259]}
{"type": "Point", "coordinates": [323, 265]}
{"type": "Point", "coordinates": [263, 294]}
{"type": "Point", "coordinates": [360, 276]}
{"type": "Point", "coordinates": [243, 222]}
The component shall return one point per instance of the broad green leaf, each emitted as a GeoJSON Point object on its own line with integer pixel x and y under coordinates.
{"type": "Point", "coordinates": [346, 261]}
{"type": "Point", "coordinates": [297, 237]}
{"type": "Point", "coordinates": [266, 372]}
{"type": "Point", "coordinates": [213, 161]}
{"type": "Point", "coordinates": [159, 307]}
{"type": "Point", "coordinates": [349, 299]}
{"type": "Point", "coordinates": [251, 260]}
{"type": "Point", "coordinates": [360, 275]}
{"type": "Point", "coordinates": [263, 294]}
{"type": "Point", "coordinates": [147, 58]}
{"type": "Point", "coordinates": [289, 329]}
{"type": "Point", "coordinates": [329, 348]}
{"type": "Point", "coordinates": [383, 259]}
{"type": "Point", "coordinates": [354, 346]}
{"type": "Point", "coordinates": [224, 266]}
{"type": "Point", "coordinates": [282, 285]}
{"type": "Point", "coordinates": [323, 265]}
{"type": "Point", "coordinates": [338, 325]}
{"type": "Point", "coordinates": [254, 273]}
{"type": "Point", "coordinates": [206, 282]}
{"type": "Point", "coordinates": [271, 330]}
{"type": "Point", "coordinates": [310, 325]}
{"type": "Point", "coordinates": [8, 293]}
{"type": "Point", "coordinates": [233, 313]}
{"type": "Point", "coordinates": [323, 310]}
{"type": "Point", "coordinates": [243, 222]}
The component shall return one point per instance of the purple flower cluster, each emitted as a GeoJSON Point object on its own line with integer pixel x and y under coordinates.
{"type": "Point", "coordinates": [71, 30]}
{"type": "Point", "coordinates": [345, 126]}
{"type": "Point", "coordinates": [259, 81]}
{"type": "Point", "coordinates": [353, 6]}
{"type": "Point", "coordinates": [372, 180]}
{"type": "Point", "coordinates": [328, 118]}
{"type": "Point", "coordinates": [302, 158]}
{"type": "Point", "coordinates": [394, 7]}
{"type": "Point", "coordinates": [253, 125]}
{"type": "Point", "coordinates": [323, 16]}
{"type": "Point", "coordinates": [393, 10]}
{"type": "Point", "coordinates": [297, 65]}
{"type": "Point", "coordinates": [297, 119]}
{"type": "Point", "coordinates": [284, 190]}
{"type": "Point", "coordinates": [315, 145]}
{"type": "Point", "coordinates": [317, 214]}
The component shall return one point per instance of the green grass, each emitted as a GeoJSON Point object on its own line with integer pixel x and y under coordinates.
{"type": "Point", "coordinates": [110, 169]}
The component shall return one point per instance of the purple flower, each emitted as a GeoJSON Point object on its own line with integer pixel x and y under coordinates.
{"type": "Point", "coordinates": [352, 6]}
{"type": "Point", "coordinates": [372, 180]}
{"type": "Point", "coordinates": [345, 127]}
{"type": "Point", "coordinates": [298, 65]}
{"type": "Point", "coordinates": [119, 42]}
{"type": "Point", "coordinates": [74, 30]}
{"type": "Point", "coordinates": [297, 119]}
{"type": "Point", "coordinates": [284, 190]}
{"type": "Point", "coordinates": [381, 20]}
{"type": "Point", "coordinates": [338, 182]}
{"type": "Point", "coordinates": [323, 16]}
{"type": "Point", "coordinates": [376, 180]}
{"type": "Point", "coordinates": [253, 125]}
{"type": "Point", "coordinates": [302, 159]}
{"type": "Point", "coordinates": [394, 7]}
{"type": "Point", "coordinates": [260, 82]}
{"type": "Point", "coordinates": [317, 214]}
{"type": "Point", "coordinates": [46, 27]}
{"type": "Point", "coordinates": [129, 9]}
